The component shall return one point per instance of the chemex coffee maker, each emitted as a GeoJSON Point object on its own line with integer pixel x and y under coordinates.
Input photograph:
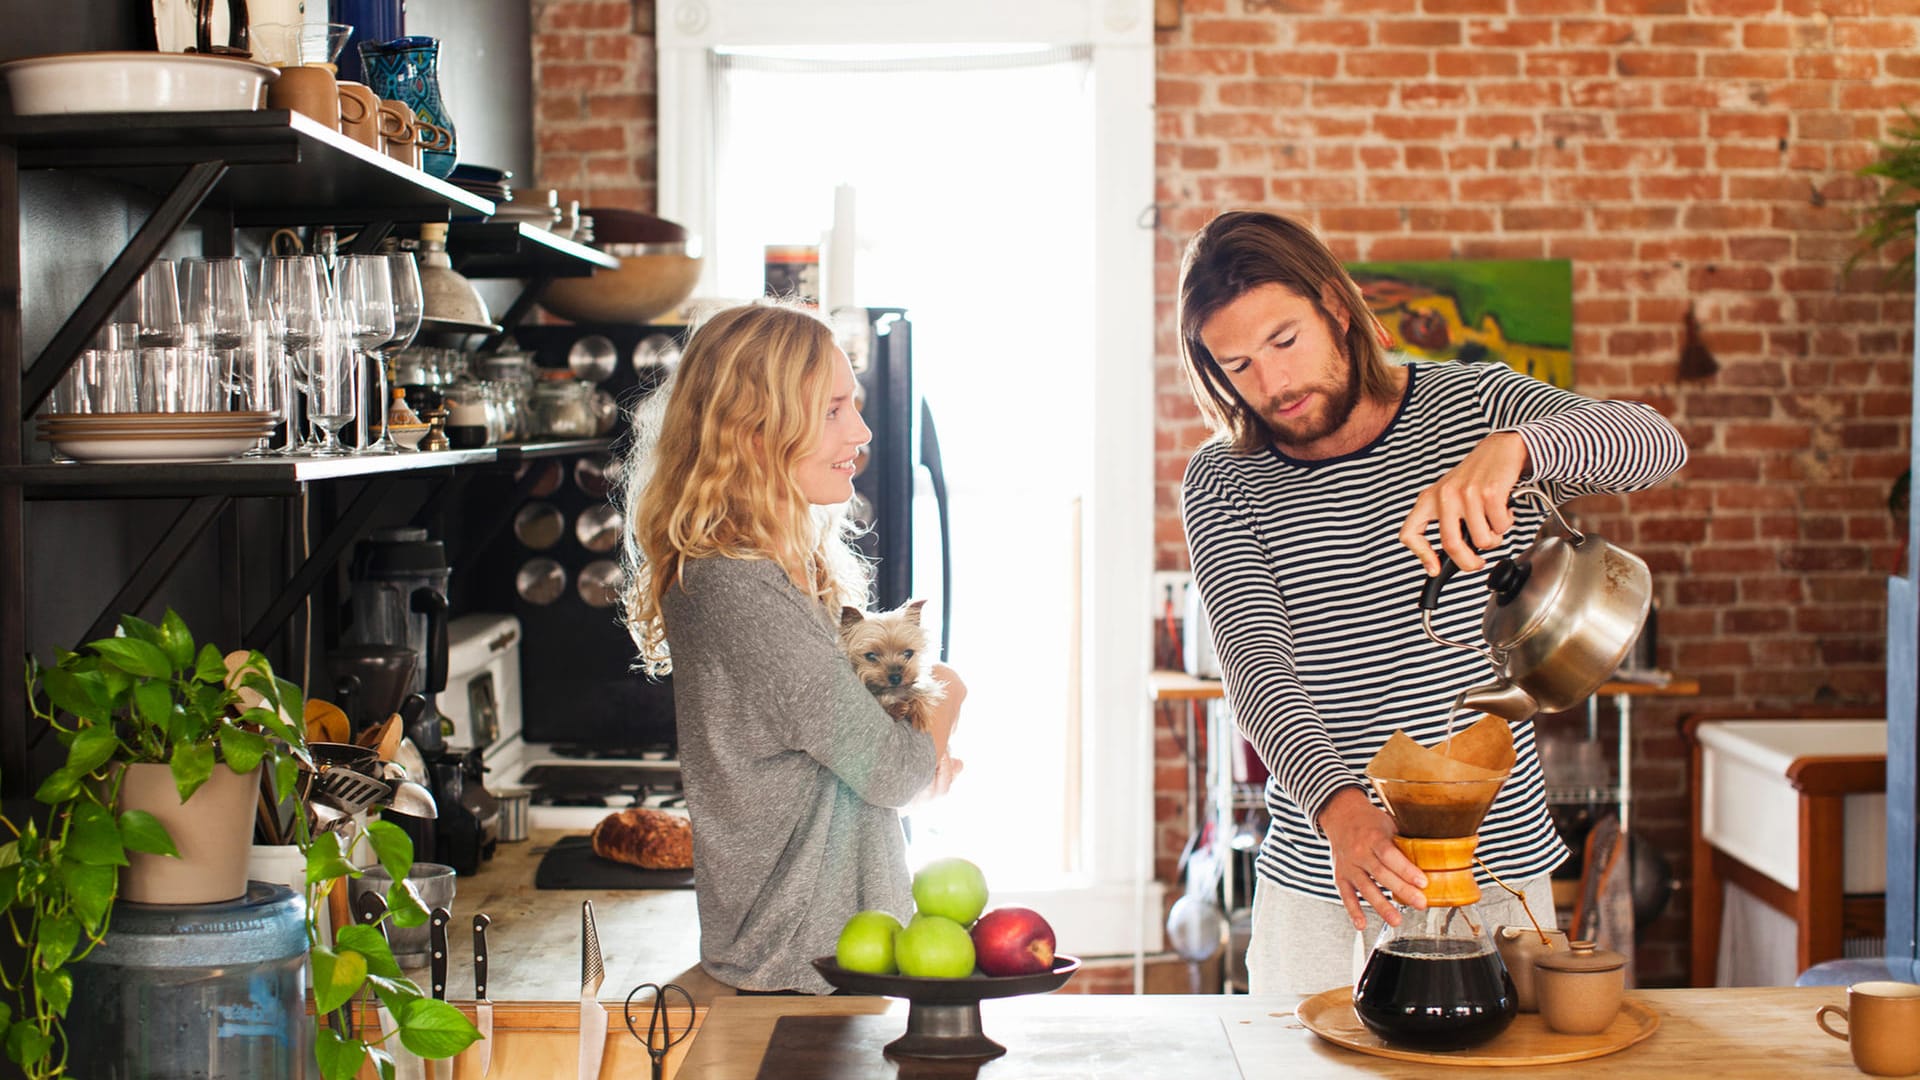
{"type": "Point", "coordinates": [395, 659]}
{"type": "Point", "coordinates": [1437, 981]}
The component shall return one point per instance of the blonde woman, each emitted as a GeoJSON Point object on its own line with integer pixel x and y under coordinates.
{"type": "Point", "coordinates": [739, 562]}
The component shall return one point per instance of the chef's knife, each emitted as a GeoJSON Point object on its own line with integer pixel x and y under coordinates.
{"type": "Point", "coordinates": [593, 1015]}
{"type": "Point", "coordinates": [482, 1008]}
{"type": "Point", "coordinates": [370, 907]}
{"type": "Point", "coordinates": [437, 965]}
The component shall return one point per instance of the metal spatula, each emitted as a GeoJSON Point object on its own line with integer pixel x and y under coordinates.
{"type": "Point", "coordinates": [352, 791]}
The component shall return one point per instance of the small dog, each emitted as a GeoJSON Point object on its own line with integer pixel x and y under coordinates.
{"type": "Point", "coordinates": [889, 653]}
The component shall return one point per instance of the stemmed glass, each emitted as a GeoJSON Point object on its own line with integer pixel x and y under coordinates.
{"type": "Point", "coordinates": [408, 308]}
{"type": "Point", "coordinates": [331, 370]}
{"type": "Point", "coordinates": [365, 291]}
{"type": "Point", "coordinates": [295, 311]}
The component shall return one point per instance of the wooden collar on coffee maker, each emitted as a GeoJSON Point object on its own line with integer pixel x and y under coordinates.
{"type": "Point", "coordinates": [1448, 863]}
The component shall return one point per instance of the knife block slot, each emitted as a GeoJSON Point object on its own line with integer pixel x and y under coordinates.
{"type": "Point", "coordinates": [529, 1037]}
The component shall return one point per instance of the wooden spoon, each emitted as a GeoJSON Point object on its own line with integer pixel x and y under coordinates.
{"type": "Point", "coordinates": [326, 723]}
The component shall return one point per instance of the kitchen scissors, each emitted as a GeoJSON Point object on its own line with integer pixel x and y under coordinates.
{"type": "Point", "coordinates": [667, 1026]}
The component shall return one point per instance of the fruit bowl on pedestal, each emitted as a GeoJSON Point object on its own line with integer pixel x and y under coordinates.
{"type": "Point", "coordinates": [943, 1015]}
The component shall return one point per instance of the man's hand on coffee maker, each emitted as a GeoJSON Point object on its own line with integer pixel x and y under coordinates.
{"type": "Point", "coordinates": [1365, 860]}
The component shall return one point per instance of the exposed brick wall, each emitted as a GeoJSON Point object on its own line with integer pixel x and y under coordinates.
{"type": "Point", "coordinates": [1678, 151]}
{"type": "Point", "coordinates": [594, 102]}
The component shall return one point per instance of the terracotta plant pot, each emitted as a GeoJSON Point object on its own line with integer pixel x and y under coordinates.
{"type": "Point", "coordinates": [213, 832]}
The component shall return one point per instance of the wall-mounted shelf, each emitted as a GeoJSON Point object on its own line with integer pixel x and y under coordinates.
{"type": "Point", "coordinates": [505, 249]}
{"type": "Point", "coordinates": [283, 167]}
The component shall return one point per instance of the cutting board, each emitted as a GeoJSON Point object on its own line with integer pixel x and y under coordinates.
{"type": "Point", "coordinates": [1038, 1048]}
{"type": "Point", "coordinates": [571, 864]}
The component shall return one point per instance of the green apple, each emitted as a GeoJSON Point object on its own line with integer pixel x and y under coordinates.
{"type": "Point", "coordinates": [866, 943]}
{"type": "Point", "coordinates": [934, 947]}
{"type": "Point", "coordinates": [951, 888]}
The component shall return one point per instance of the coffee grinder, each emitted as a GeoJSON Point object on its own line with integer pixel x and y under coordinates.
{"type": "Point", "coordinates": [1437, 981]}
{"type": "Point", "coordinates": [400, 580]}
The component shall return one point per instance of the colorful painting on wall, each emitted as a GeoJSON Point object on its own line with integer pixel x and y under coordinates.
{"type": "Point", "coordinates": [1517, 312]}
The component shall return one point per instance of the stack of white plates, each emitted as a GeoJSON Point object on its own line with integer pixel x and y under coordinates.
{"type": "Point", "coordinates": [146, 437]}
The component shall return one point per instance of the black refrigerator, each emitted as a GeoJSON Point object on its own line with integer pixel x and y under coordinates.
{"type": "Point", "coordinates": [903, 485]}
{"type": "Point", "coordinates": [578, 686]}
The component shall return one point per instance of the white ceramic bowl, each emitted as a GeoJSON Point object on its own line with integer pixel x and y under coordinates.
{"type": "Point", "coordinates": [135, 82]}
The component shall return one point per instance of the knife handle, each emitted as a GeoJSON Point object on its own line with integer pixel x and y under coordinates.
{"type": "Point", "coordinates": [437, 949]}
{"type": "Point", "coordinates": [480, 924]}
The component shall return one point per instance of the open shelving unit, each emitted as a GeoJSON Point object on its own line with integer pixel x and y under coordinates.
{"type": "Point", "coordinates": [267, 168]}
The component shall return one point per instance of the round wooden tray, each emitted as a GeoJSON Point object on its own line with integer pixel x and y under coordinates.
{"type": "Point", "coordinates": [1527, 1041]}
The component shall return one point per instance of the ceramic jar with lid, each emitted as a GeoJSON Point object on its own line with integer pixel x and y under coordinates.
{"type": "Point", "coordinates": [1580, 989]}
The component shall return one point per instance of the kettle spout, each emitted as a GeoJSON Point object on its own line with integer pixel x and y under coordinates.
{"type": "Point", "coordinates": [1501, 699]}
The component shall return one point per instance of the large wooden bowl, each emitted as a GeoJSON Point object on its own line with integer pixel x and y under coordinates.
{"type": "Point", "coordinates": [644, 288]}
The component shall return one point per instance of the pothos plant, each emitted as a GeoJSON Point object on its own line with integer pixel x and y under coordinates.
{"type": "Point", "coordinates": [147, 696]}
{"type": "Point", "coordinates": [150, 696]}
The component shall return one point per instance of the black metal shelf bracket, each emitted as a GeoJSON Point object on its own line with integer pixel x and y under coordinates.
{"type": "Point", "coordinates": [133, 260]}
{"type": "Point", "coordinates": [350, 526]}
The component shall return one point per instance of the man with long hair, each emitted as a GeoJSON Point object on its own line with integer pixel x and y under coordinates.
{"type": "Point", "coordinates": [1328, 459]}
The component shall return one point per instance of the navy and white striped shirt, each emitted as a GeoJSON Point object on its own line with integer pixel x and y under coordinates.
{"type": "Point", "coordinates": [1313, 602]}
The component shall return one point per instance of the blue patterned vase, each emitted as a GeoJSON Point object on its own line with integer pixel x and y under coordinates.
{"type": "Point", "coordinates": [408, 70]}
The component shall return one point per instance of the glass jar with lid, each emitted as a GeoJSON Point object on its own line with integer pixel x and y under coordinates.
{"type": "Point", "coordinates": [562, 406]}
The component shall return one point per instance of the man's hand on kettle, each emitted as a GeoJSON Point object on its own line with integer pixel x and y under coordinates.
{"type": "Point", "coordinates": [1365, 860]}
{"type": "Point", "coordinates": [1469, 503]}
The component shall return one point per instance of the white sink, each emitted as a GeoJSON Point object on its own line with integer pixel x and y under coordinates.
{"type": "Point", "coordinates": [1750, 810]}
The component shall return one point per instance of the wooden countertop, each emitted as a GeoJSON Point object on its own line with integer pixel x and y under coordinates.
{"type": "Point", "coordinates": [534, 943]}
{"type": "Point", "coordinates": [1727, 1032]}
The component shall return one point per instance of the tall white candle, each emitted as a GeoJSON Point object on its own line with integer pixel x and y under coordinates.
{"type": "Point", "coordinates": [838, 286]}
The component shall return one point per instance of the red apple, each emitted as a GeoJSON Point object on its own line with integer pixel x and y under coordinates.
{"type": "Point", "coordinates": [1013, 941]}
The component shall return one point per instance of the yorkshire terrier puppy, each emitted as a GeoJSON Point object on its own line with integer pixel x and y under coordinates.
{"type": "Point", "coordinates": [889, 653]}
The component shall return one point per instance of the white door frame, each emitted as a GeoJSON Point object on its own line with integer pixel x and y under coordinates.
{"type": "Point", "coordinates": [1115, 906]}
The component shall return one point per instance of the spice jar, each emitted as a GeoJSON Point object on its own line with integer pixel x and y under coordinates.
{"type": "Point", "coordinates": [1580, 989]}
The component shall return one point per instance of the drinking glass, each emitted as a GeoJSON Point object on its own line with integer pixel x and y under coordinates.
{"type": "Point", "coordinates": [215, 306]}
{"type": "Point", "coordinates": [260, 379]}
{"type": "Point", "coordinates": [365, 291]}
{"type": "Point", "coordinates": [408, 307]}
{"type": "Point", "coordinates": [330, 397]}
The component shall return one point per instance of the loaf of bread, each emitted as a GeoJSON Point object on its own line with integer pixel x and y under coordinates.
{"type": "Point", "coordinates": [649, 839]}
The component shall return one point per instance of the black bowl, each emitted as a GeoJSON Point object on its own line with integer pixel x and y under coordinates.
{"type": "Point", "coordinates": [943, 1015]}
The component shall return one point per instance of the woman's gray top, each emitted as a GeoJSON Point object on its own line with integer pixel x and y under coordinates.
{"type": "Point", "coordinates": [794, 775]}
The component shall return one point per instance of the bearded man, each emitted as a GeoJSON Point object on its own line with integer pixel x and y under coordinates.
{"type": "Point", "coordinates": [1329, 462]}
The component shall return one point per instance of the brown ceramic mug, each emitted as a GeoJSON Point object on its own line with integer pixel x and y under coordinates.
{"type": "Point", "coordinates": [360, 113]}
{"type": "Point", "coordinates": [432, 136]}
{"type": "Point", "coordinates": [307, 90]}
{"type": "Point", "coordinates": [1883, 1027]}
{"type": "Point", "coordinates": [398, 136]}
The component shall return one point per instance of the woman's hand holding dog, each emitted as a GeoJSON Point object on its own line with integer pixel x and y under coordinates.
{"type": "Point", "coordinates": [941, 721]}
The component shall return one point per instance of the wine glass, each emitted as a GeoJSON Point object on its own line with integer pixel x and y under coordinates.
{"type": "Point", "coordinates": [408, 307]}
{"type": "Point", "coordinates": [295, 311]}
{"type": "Point", "coordinates": [331, 370]}
{"type": "Point", "coordinates": [365, 290]}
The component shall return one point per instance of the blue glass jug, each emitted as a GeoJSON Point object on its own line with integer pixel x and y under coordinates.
{"type": "Point", "coordinates": [407, 70]}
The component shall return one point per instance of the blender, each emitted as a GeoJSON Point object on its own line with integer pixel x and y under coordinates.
{"type": "Point", "coordinates": [400, 600]}
{"type": "Point", "coordinates": [1437, 981]}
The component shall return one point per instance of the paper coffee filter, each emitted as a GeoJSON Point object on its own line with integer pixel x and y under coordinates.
{"type": "Point", "coordinates": [1477, 756]}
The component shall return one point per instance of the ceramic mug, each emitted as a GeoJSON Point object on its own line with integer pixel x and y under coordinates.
{"type": "Point", "coordinates": [360, 113]}
{"type": "Point", "coordinates": [398, 136]}
{"type": "Point", "coordinates": [432, 136]}
{"type": "Point", "coordinates": [1883, 1027]}
{"type": "Point", "coordinates": [309, 90]}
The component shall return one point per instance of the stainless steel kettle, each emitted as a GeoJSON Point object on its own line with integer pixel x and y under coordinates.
{"type": "Point", "coordinates": [1562, 616]}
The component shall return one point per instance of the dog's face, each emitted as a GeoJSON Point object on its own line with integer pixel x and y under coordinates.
{"type": "Point", "coordinates": [888, 650]}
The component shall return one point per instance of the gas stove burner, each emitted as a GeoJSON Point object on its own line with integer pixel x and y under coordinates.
{"type": "Point", "coordinates": [647, 752]}
{"type": "Point", "coordinates": [565, 784]}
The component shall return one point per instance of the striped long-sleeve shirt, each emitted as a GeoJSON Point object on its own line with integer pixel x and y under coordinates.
{"type": "Point", "coordinates": [1312, 600]}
